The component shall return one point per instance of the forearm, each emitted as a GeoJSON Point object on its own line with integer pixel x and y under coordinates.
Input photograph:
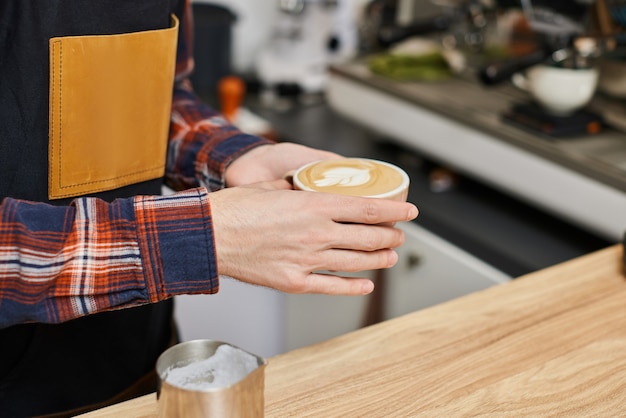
{"type": "Point", "coordinates": [202, 143]}
{"type": "Point", "coordinates": [94, 256]}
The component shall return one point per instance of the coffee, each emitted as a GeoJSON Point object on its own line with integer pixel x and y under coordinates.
{"type": "Point", "coordinates": [354, 177]}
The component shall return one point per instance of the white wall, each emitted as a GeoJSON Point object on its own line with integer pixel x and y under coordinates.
{"type": "Point", "coordinates": [253, 27]}
{"type": "Point", "coordinates": [250, 317]}
{"type": "Point", "coordinates": [244, 315]}
{"type": "Point", "coordinates": [251, 30]}
{"type": "Point", "coordinates": [247, 316]}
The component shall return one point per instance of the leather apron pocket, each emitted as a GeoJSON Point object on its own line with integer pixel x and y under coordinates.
{"type": "Point", "coordinates": [110, 102]}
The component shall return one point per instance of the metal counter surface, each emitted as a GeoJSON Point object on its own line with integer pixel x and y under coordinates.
{"type": "Point", "coordinates": [458, 122]}
{"type": "Point", "coordinates": [601, 156]}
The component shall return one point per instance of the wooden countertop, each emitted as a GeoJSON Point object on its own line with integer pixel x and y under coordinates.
{"type": "Point", "coordinates": [552, 343]}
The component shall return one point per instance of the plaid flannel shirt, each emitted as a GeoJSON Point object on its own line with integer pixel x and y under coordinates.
{"type": "Point", "coordinates": [59, 263]}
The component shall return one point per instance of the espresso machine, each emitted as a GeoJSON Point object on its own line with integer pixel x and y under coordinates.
{"type": "Point", "coordinates": [564, 38]}
{"type": "Point", "coordinates": [307, 37]}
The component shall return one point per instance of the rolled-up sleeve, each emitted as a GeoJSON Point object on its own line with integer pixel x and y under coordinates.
{"type": "Point", "coordinates": [202, 142]}
{"type": "Point", "coordinates": [59, 263]}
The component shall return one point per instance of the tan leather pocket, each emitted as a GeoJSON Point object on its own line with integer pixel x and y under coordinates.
{"type": "Point", "coordinates": [110, 102]}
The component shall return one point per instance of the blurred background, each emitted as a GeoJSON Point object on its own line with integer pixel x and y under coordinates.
{"type": "Point", "coordinates": [454, 92]}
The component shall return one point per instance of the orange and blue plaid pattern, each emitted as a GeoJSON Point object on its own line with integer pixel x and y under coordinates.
{"type": "Point", "coordinates": [59, 263]}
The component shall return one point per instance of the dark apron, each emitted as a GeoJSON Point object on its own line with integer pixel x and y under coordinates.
{"type": "Point", "coordinates": [101, 358]}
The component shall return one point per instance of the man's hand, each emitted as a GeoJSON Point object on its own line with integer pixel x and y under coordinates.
{"type": "Point", "coordinates": [271, 162]}
{"type": "Point", "coordinates": [270, 235]}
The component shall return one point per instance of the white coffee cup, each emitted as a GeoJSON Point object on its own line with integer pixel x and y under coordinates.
{"type": "Point", "coordinates": [355, 177]}
{"type": "Point", "coordinates": [560, 91]}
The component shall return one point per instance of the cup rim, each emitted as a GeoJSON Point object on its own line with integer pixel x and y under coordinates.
{"type": "Point", "coordinates": [404, 185]}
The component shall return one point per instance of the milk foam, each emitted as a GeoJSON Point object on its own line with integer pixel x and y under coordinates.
{"type": "Point", "coordinates": [353, 176]}
{"type": "Point", "coordinates": [226, 367]}
{"type": "Point", "coordinates": [343, 176]}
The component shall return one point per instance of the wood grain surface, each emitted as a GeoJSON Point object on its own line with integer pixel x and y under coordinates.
{"type": "Point", "coordinates": [552, 343]}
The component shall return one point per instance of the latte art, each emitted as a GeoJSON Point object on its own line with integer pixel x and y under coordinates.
{"type": "Point", "coordinates": [343, 176]}
{"type": "Point", "coordinates": [354, 177]}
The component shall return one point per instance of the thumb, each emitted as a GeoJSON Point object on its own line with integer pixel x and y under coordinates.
{"type": "Point", "coordinates": [280, 184]}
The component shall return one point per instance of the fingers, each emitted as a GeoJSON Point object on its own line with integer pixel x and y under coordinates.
{"type": "Point", "coordinates": [354, 261]}
{"type": "Point", "coordinates": [351, 209]}
{"type": "Point", "coordinates": [268, 162]}
{"type": "Point", "coordinates": [370, 211]}
{"type": "Point", "coordinates": [335, 285]}
{"type": "Point", "coordinates": [281, 184]}
{"type": "Point", "coordinates": [363, 237]}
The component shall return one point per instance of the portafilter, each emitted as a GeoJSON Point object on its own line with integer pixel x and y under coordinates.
{"type": "Point", "coordinates": [561, 41]}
